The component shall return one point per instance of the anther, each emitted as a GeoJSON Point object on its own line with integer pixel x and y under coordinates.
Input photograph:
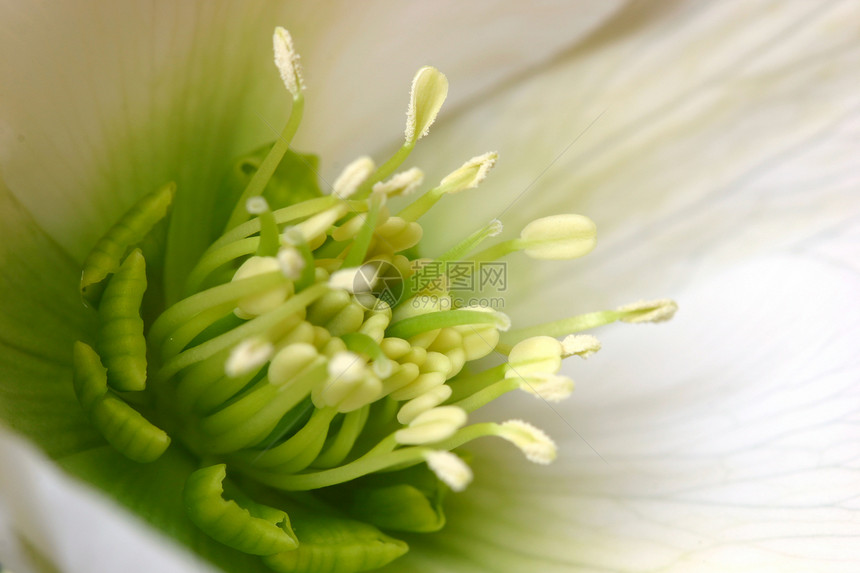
{"type": "Point", "coordinates": [352, 177]}
{"type": "Point", "coordinates": [432, 426]}
{"type": "Point", "coordinates": [449, 468]}
{"type": "Point", "coordinates": [533, 442]}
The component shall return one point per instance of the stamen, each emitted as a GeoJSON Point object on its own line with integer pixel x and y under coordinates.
{"type": "Point", "coordinates": [291, 262]}
{"type": "Point", "coordinates": [559, 237]}
{"type": "Point", "coordinates": [287, 62]}
{"type": "Point", "coordinates": [654, 311]}
{"type": "Point", "coordinates": [582, 345]}
{"type": "Point", "coordinates": [429, 90]}
{"type": "Point", "coordinates": [556, 237]}
{"type": "Point", "coordinates": [403, 183]}
{"type": "Point", "coordinates": [548, 387]}
{"type": "Point", "coordinates": [534, 443]}
{"type": "Point", "coordinates": [450, 469]}
{"type": "Point", "coordinates": [269, 241]}
{"type": "Point", "coordinates": [409, 327]}
{"type": "Point", "coordinates": [358, 249]}
{"type": "Point", "coordinates": [352, 177]}
{"type": "Point", "coordinates": [340, 446]}
{"type": "Point", "coordinates": [491, 229]}
{"type": "Point", "coordinates": [467, 176]}
{"type": "Point", "coordinates": [427, 401]}
{"type": "Point", "coordinates": [260, 303]}
{"type": "Point", "coordinates": [432, 426]}
{"type": "Point", "coordinates": [248, 355]}
{"type": "Point", "coordinates": [350, 384]}
{"type": "Point", "coordinates": [648, 311]}
{"type": "Point", "coordinates": [256, 326]}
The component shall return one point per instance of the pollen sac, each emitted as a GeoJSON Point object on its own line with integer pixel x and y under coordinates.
{"type": "Point", "coordinates": [429, 90]}
{"type": "Point", "coordinates": [263, 302]}
{"type": "Point", "coordinates": [559, 237]}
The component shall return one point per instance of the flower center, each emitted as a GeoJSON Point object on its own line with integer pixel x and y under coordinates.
{"type": "Point", "coordinates": [313, 350]}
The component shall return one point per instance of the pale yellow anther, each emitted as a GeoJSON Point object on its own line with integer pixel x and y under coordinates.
{"type": "Point", "coordinates": [303, 332]}
{"type": "Point", "coordinates": [355, 280]}
{"type": "Point", "coordinates": [332, 345]}
{"type": "Point", "coordinates": [450, 469]}
{"type": "Point", "coordinates": [350, 384]}
{"type": "Point", "coordinates": [287, 62]}
{"type": "Point", "coordinates": [291, 262]}
{"type": "Point", "coordinates": [479, 340]}
{"type": "Point", "coordinates": [649, 311]}
{"type": "Point", "coordinates": [427, 401]}
{"type": "Point", "coordinates": [316, 227]}
{"type": "Point", "coordinates": [548, 387]}
{"type": "Point", "coordinates": [432, 426]}
{"type": "Point", "coordinates": [374, 326]}
{"type": "Point", "coordinates": [423, 383]}
{"type": "Point", "coordinates": [416, 355]}
{"type": "Point", "coordinates": [450, 343]}
{"type": "Point", "coordinates": [248, 355]}
{"type": "Point", "coordinates": [582, 345]}
{"type": "Point", "coordinates": [352, 177]}
{"type": "Point", "coordinates": [350, 228]}
{"type": "Point", "coordinates": [290, 361]}
{"type": "Point", "coordinates": [436, 362]}
{"type": "Point", "coordinates": [402, 376]}
{"type": "Point", "coordinates": [533, 442]}
{"type": "Point", "coordinates": [429, 90]}
{"type": "Point", "coordinates": [260, 303]}
{"type": "Point", "coordinates": [535, 355]}
{"type": "Point", "coordinates": [559, 237]}
{"type": "Point", "coordinates": [403, 183]}
{"type": "Point", "coordinates": [470, 174]}
{"type": "Point", "coordinates": [256, 205]}
{"type": "Point", "coordinates": [397, 235]}
{"type": "Point", "coordinates": [395, 348]}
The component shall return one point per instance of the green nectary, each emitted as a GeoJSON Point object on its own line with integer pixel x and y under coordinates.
{"type": "Point", "coordinates": [321, 407]}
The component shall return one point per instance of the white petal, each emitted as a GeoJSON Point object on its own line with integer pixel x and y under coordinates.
{"type": "Point", "coordinates": [713, 124]}
{"type": "Point", "coordinates": [102, 102]}
{"type": "Point", "coordinates": [728, 440]}
{"type": "Point", "coordinates": [74, 528]}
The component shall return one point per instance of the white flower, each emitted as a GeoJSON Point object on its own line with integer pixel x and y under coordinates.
{"type": "Point", "coordinates": [714, 145]}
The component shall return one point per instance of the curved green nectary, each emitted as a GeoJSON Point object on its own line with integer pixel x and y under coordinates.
{"type": "Point", "coordinates": [319, 370]}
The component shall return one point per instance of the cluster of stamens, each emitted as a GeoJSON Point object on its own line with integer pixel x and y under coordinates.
{"type": "Point", "coordinates": [287, 365]}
